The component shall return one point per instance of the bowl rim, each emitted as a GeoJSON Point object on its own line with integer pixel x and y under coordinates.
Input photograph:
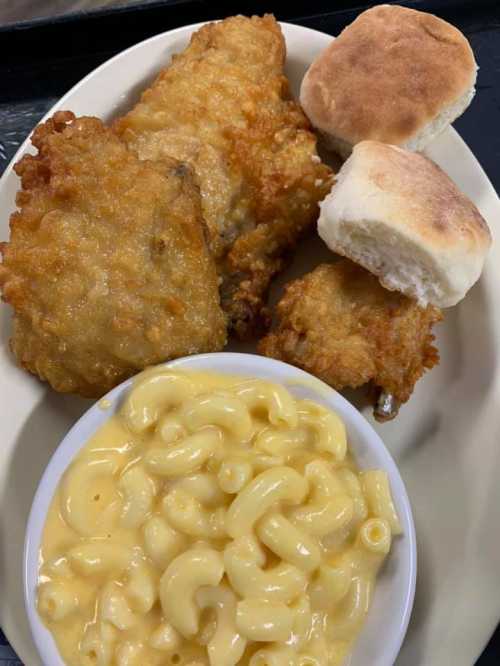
{"type": "Point", "coordinates": [252, 364]}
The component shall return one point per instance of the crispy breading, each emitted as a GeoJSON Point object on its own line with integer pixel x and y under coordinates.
{"type": "Point", "coordinates": [224, 107]}
{"type": "Point", "coordinates": [341, 325]}
{"type": "Point", "coordinates": [107, 268]}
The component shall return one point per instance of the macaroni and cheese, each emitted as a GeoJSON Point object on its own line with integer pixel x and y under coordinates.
{"type": "Point", "coordinates": [213, 520]}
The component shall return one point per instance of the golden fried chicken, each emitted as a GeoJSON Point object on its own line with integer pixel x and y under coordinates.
{"type": "Point", "coordinates": [107, 268]}
{"type": "Point", "coordinates": [223, 106]}
{"type": "Point", "coordinates": [341, 325]}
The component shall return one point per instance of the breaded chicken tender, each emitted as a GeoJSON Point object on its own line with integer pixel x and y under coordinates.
{"type": "Point", "coordinates": [341, 325]}
{"type": "Point", "coordinates": [223, 106]}
{"type": "Point", "coordinates": [107, 267]}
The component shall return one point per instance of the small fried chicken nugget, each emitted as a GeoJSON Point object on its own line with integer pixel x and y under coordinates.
{"type": "Point", "coordinates": [341, 325]}
{"type": "Point", "coordinates": [107, 268]}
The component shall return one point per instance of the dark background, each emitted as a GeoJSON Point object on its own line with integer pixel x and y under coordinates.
{"type": "Point", "coordinates": [40, 60]}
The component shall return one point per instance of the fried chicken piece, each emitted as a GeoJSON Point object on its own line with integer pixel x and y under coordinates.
{"type": "Point", "coordinates": [341, 325]}
{"type": "Point", "coordinates": [224, 107]}
{"type": "Point", "coordinates": [107, 268]}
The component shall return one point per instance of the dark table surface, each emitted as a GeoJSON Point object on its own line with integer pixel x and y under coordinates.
{"type": "Point", "coordinates": [41, 60]}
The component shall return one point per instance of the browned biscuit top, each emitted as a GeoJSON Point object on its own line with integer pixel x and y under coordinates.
{"type": "Point", "coordinates": [387, 75]}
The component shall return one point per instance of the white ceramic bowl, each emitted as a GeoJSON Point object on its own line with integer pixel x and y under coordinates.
{"type": "Point", "coordinates": [385, 628]}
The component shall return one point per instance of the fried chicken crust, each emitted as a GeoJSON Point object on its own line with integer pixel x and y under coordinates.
{"type": "Point", "coordinates": [107, 268]}
{"type": "Point", "coordinates": [223, 106]}
{"type": "Point", "coordinates": [341, 325]}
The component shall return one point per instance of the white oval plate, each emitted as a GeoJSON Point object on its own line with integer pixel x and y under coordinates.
{"type": "Point", "coordinates": [382, 634]}
{"type": "Point", "coordinates": [445, 440]}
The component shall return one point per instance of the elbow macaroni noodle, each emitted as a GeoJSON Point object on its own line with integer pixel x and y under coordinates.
{"type": "Point", "coordinates": [213, 521]}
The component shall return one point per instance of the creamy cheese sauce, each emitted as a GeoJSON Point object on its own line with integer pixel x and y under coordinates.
{"type": "Point", "coordinates": [213, 520]}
